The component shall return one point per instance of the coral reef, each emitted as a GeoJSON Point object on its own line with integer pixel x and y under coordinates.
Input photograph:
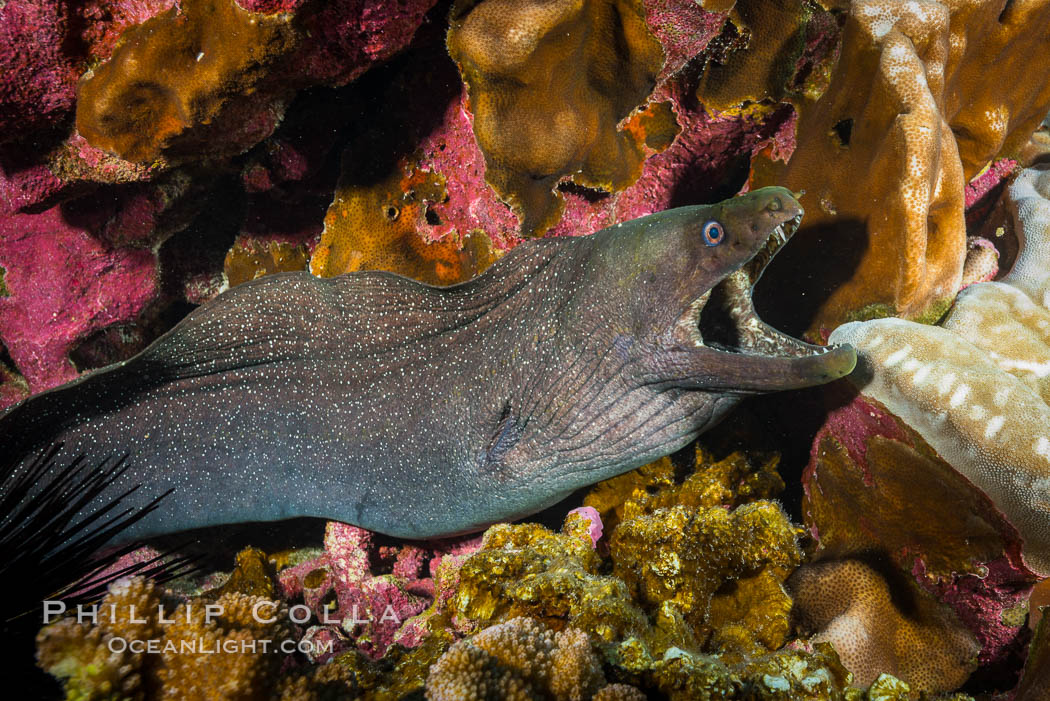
{"type": "Point", "coordinates": [154, 153]}
{"type": "Point", "coordinates": [988, 436]}
{"type": "Point", "coordinates": [949, 425]}
{"type": "Point", "coordinates": [875, 630]}
{"type": "Point", "coordinates": [595, 59]}
{"type": "Point", "coordinates": [199, 652]}
{"type": "Point", "coordinates": [526, 570]}
{"type": "Point", "coordinates": [419, 156]}
{"type": "Point", "coordinates": [134, 208]}
{"type": "Point", "coordinates": [251, 258]}
{"type": "Point", "coordinates": [1028, 202]}
{"type": "Point", "coordinates": [736, 650]}
{"type": "Point", "coordinates": [973, 388]}
{"type": "Point", "coordinates": [897, 51]}
{"type": "Point", "coordinates": [45, 46]}
{"type": "Point", "coordinates": [523, 659]}
{"type": "Point", "coordinates": [39, 79]}
{"type": "Point", "coordinates": [60, 284]}
{"type": "Point", "coordinates": [766, 51]}
{"type": "Point", "coordinates": [528, 612]}
{"type": "Point", "coordinates": [921, 125]}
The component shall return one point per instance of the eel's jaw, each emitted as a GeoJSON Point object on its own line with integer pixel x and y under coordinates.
{"type": "Point", "coordinates": [723, 323]}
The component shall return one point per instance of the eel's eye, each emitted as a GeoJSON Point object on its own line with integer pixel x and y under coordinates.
{"type": "Point", "coordinates": [713, 232]}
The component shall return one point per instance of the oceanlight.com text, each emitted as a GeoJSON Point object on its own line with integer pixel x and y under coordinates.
{"type": "Point", "coordinates": [202, 646]}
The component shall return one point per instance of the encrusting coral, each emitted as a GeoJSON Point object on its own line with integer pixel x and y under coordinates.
{"type": "Point", "coordinates": [685, 557]}
{"type": "Point", "coordinates": [527, 570]}
{"type": "Point", "coordinates": [377, 227]}
{"type": "Point", "coordinates": [181, 75]}
{"type": "Point", "coordinates": [595, 58]}
{"type": "Point", "coordinates": [734, 480]}
{"type": "Point", "coordinates": [893, 130]}
{"type": "Point", "coordinates": [211, 78]}
{"type": "Point", "coordinates": [926, 119]}
{"type": "Point", "coordinates": [868, 475]}
{"type": "Point", "coordinates": [876, 629]}
{"type": "Point", "coordinates": [50, 175]}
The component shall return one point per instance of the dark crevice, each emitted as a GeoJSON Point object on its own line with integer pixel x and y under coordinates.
{"type": "Point", "coordinates": [590, 194]}
{"type": "Point", "coordinates": [1006, 11]}
{"type": "Point", "coordinates": [843, 129]}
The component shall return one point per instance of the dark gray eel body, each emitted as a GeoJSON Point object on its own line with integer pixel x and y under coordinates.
{"type": "Point", "coordinates": [419, 411]}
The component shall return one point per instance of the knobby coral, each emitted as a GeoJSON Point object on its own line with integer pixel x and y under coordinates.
{"type": "Point", "coordinates": [877, 629]}
{"type": "Point", "coordinates": [523, 659]}
{"type": "Point", "coordinates": [926, 119]}
{"type": "Point", "coordinates": [975, 388]}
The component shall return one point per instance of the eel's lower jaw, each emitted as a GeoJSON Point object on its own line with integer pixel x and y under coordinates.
{"type": "Point", "coordinates": [723, 323]}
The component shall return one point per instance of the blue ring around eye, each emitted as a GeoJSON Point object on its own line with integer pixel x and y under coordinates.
{"type": "Point", "coordinates": [713, 233]}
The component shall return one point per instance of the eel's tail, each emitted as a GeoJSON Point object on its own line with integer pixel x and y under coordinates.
{"type": "Point", "coordinates": [51, 532]}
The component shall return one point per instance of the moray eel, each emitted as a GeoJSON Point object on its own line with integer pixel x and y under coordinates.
{"type": "Point", "coordinates": [420, 411]}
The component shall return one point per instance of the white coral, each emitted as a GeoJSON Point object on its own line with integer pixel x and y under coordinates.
{"type": "Point", "coordinates": [977, 388]}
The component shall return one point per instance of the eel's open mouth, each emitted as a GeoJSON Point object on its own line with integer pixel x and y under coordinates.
{"type": "Point", "coordinates": [724, 318]}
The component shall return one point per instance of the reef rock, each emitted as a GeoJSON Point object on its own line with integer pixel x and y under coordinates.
{"type": "Point", "coordinates": [60, 285]}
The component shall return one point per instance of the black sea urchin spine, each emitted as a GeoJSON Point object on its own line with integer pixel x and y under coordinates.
{"type": "Point", "coordinates": [49, 545]}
